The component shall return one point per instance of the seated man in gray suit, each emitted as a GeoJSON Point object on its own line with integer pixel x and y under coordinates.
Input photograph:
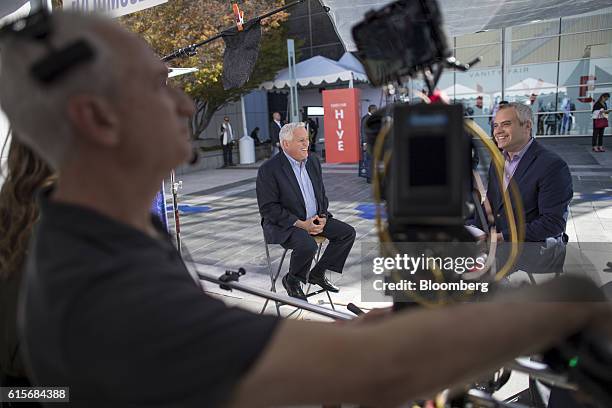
{"type": "Point", "coordinates": [293, 206]}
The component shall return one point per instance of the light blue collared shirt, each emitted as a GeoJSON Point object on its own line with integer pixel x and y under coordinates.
{"type": "Point", "coordinates": [303, 179]}
{"type": "Point", "coordinates": [511, 163]}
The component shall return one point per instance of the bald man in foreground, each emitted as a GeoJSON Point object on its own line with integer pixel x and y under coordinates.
{"type": "Point", "coordinates": [110, 310]}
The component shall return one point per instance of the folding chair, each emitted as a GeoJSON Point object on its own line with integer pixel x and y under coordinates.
{"type": "Point", "coordinates": [564, 239]}
{"type": "Point", "coordinates": [320, 240]}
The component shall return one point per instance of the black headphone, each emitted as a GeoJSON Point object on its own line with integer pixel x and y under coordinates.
{"type": "Point", "coordinates": [58, 62]}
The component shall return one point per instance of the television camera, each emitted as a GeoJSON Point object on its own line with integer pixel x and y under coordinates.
{"type": "Point", "coordinates": [423, 183]}
{"type": "Point", "coordinates": [422, 161]}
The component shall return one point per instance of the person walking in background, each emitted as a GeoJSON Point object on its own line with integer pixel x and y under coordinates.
{"type": "Point", "coordinates": [541, 115]}
{"type": "Point", "coordinates": [566, 122]}
{"type": "Point", "coordinates": [275, 128]}
{"type": "Point", "coordinates": [227, 142]}
{"type": "Point", "coordinates": [255, 136]}
{"type": "Point", "coordinates": [600, 121]}
{"type": "Point", "coordinates": [551, 120]}
{"type": "Point", "coordinates": [366, 156]}
{"type": "Point", "coordinates": [313, 131]}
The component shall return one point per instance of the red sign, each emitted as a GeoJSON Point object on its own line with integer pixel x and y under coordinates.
{"type": "Point", "coordinates": [587, 84]}
{"type": "Point", "coordinates": [342, 127]}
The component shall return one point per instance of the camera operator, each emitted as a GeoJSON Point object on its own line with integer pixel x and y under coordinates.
{"type": "Point", "coordinates": [110, 310]}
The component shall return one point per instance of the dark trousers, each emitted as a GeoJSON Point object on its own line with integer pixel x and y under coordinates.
{"type": "Point", "coordinates": [227, 154]}
{"type": "Point", "coordinates": [341, 237]}
{"type": "Point", "coordinates": [597, 136]}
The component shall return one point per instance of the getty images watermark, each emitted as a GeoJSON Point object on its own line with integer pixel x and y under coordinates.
{"type": "Point", "coordinates": [463, 271]}
{"type": "Point", "coordinates": [406, 270]}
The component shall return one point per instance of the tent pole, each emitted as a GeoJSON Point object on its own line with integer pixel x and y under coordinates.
{"type": "Point", "coordinates": [294, 114]}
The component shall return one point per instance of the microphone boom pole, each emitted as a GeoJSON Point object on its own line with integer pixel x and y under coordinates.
{"type": "Point", "coordinates": [234, 284]}
{"type": "Point", "coordinates": [191, 50]}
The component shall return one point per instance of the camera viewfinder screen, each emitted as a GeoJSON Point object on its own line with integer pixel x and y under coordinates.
{"type": "Point", "coordinates": [427, 161]}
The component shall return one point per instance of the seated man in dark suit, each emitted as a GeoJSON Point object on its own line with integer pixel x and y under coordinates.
{"type": "Point", "coordinates": [545, 185]}
{"type": "Point", "coordinates": [293, 206]}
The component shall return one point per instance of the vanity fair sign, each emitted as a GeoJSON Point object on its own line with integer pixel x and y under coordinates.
{"type": "Point", "coordinates": [114, 8]}
{"type": "Point", "coordinates": [341, 110]}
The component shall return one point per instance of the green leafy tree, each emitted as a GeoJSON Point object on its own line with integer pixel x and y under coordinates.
{"type": "Point", "coordinates": [179, 23]}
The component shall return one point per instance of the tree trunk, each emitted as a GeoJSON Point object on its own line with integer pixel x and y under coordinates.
{"type": "Point", "coordinates": [201, 119]}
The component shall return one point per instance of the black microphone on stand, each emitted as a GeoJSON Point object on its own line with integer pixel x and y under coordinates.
{"type": "Point", "coordinates": [355, 309]}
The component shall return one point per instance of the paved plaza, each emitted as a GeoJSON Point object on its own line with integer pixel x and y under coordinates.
{"type": "Point", "coordinates": [221, 230]}
{"type": "Point", "coordinates": [221, 225]}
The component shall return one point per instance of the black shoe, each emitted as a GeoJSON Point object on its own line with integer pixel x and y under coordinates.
{"type": "Point", "coordinates": [323, 282]}
{"type": "Point", "coordinates": [293, 287]}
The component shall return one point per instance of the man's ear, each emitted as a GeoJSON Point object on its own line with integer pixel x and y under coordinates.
{"type": "Point", "coordinates": [93, 118]}
{"type": "Point", "coordinates": [528, 127]}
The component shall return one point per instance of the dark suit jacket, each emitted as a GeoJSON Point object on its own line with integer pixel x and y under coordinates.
{"type": "Point", "coordinates": [545, 185]}
{"type": "Point", "coordinates": [280, 199]}
{"type": "Point", "coordinates": [274, 132]}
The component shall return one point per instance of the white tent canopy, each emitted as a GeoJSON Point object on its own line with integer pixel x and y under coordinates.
{"type": "Point", "coordinates": [10, 6]}
{"type": "Point", "coordinates": [349, 61]}
{"type": "Point", "coordinates": [460, 91]}
{"type": "Point", "coordinates": [535, 86]}
{"type": "Point", "coordinates": [315, 71]}
{"type": "Point", "coordinates": [466, 16]}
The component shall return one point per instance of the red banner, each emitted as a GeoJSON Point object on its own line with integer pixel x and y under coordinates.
{"type": "Point", "coordinates": [342, 125]}
{"type": "Point", "coordinates": [587, 85]}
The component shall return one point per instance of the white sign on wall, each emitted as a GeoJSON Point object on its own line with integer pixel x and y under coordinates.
{"type": "Point", "coordinates": [114, 8]}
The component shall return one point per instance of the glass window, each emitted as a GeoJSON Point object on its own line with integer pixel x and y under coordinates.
{"type": "Point", "coordinates": [300, 10]}
{"type": "Point", "coordinates": [602, 20]}
{"type": "Point", "coordinates": [331, 51]}
{"type": "Point", "coordinates": [479, 90]}
{"type": "Point", "coordinates": [490, 54]}
{"type": "Point", "coordinates": [588, 45]}
{"type": "Point", "coordinates": [446, 83]}
{"type": "Point", "coordinates": [586, 73]}
{"type": "Point", "coordinates": [535, 50]}
{"type": "Point", "coordinates": [485, 37]}
{"type": "Point", "coordinates": [545, 28]}
{"type": "Point", "coordinates": [533, 76]}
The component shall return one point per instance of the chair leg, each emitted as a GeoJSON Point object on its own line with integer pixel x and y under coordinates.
{"type": "Point", "coordinates": [531, 279]}
{"type": "Point", "coordinates": [273, 278]}
{"type": "Point", "coordinates": [331, 302]}
{"type": "Point", "coordinates": [280, 266]}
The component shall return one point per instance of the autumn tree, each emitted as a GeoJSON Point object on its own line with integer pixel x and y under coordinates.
{"type": "Point", "coordinates": [179, 23]}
